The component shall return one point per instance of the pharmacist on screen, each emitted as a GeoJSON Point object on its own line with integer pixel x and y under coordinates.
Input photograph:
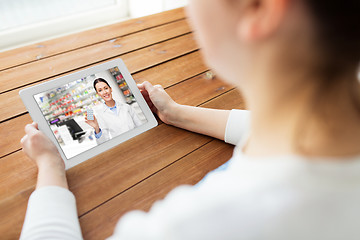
{"type": "Point", "coordinates": [111, 118]}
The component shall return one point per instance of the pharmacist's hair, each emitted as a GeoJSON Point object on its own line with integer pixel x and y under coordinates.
{"type": "Point", "coordinates": [100, 80]}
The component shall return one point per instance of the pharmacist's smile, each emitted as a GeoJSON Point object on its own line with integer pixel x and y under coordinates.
{"type": "Point", "coordinates": [107, 95]}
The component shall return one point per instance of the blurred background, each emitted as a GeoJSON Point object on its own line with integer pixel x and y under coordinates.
{"type": "Point", "coordinates": [23, 22]}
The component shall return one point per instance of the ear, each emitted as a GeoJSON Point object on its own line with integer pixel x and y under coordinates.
{"type": "Point", "coordinates": [260, 18]}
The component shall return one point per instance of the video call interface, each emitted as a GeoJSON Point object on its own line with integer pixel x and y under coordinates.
{"type": "Point", "coordinates": [76, 110]}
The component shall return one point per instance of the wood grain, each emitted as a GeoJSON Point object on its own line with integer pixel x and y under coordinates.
{"type": "Point", "coordinates": [11, 133]}
{"type": "Point", "coordinates": [62, 63]}
{"type": "Point", "coordinates": [41, 50]}
{"type": "Point", "coordinates": [12, 212]}
{"type": "Point", "coordinates": [227, 101]}
{"type": "Point", "coordinates": [136, 61]}
{"type": "Point", "coordinates": [174, 70]}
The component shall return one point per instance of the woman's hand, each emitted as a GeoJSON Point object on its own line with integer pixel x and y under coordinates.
{"type": "Point", "coordinates": [93, 123]}
{"type": "Point", "coordinates": [159, 101]}
{"type": "Point", "coordinates": [206, 121]}
{"type": "Point", "coordinates": [43, 152]}
{"type": "Point", "coordinates": [39, 148]}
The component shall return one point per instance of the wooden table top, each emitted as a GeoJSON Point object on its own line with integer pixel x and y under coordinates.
{"type": "Point", "coordinates": [160, 49]}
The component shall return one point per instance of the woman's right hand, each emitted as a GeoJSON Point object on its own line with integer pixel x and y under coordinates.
{"type": "Point", "coordinates": [93, 123]}
{"type": "Point", "coordinates": [159, 101]}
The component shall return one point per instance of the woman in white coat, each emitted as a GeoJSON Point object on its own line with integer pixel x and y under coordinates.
{"type": "Point", "coordinates": [111, 118]}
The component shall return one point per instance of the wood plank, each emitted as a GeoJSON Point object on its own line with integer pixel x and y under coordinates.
{"type": "Point", "coordinates": [159, 53]}
{"type": "Point", "coordinates": [204, 92]}
{"type": "Point", "coordinates": [68, 61]}
{"type": "Point", "coordinates": [17, 174]}
{"type": "Point", "coordinates": [186, 92]}
{"type": "Point", "coordinates": [11, 132]}
{"type": "Point", "coordinates": [227, 101]}
{"type": "Point", "coordinates": [12, 212]}
{"type": "Point", "coordinates": [45, 49]}
{"type": "Point", "coordinates": [100, 223]}
{"type": "Point", "coordinates": [14, 128]}
{"type": "Point", "coordinates": [179, 68]}
{"type": "Point", "coordinates": [135, 61]}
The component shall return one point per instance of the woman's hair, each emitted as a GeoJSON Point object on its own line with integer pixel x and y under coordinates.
{"type": "Point", "coordinates": [337, 29]}
{"type": "Point", "coordinates": [100, 80]}
{"type": "Point", "coordinates": [337, 25]}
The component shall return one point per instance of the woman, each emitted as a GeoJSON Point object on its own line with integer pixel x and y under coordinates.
{"type": "Point", "coordinates": [109, 113]}
{"type": "Point", "coordinates": [297, 175]}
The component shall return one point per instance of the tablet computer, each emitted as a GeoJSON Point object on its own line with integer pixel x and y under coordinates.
{"type": "Point", "coordinates": [90, 111]}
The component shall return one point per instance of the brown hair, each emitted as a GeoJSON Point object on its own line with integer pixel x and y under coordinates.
{"type": "Point", "coordinates": [338, 32]}
{"type": "Point", "coordinates": [100, 80]}
{"type": "Point", "coordinates": [337, 26]}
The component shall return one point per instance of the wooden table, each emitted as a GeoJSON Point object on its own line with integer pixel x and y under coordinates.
{"type": "Point", "coordinates": [158, 48]}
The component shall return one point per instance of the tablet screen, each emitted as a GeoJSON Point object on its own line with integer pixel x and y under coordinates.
{"type": "Point", "coordinates": [104, 97]}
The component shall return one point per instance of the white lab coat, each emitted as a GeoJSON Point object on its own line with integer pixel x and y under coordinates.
{"type": "Point", "coordinates": [112, 124]}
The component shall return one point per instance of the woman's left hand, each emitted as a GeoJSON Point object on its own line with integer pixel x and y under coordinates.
{"type": "Point", "coordinates": [39, 148]}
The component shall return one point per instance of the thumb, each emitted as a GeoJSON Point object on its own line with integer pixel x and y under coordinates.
{"type": "Point", "coordinates": [35, 125]}
{"type": "Point", "coordinates": [31, 128]}
{"type": "Point", "coordinates": [148, 86]}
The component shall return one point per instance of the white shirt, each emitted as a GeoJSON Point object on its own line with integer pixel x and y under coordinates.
{"type": "Point", "coordinates": [112, 123]}
{"type": "Point", "coordinates": [284, 197]}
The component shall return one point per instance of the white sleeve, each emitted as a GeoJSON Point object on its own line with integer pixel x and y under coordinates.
{"type": "Point", "coordinates": [51, 214]}
{"type": "Point", "coordinates": [105, 135]}
{"type": "Point", "coordinates": [237, 126]}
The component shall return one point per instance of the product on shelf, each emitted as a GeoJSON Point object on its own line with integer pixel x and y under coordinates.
{"type": "Point", "coordinates": [129, 97]}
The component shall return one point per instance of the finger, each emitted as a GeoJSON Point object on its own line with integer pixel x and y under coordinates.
{"type": "Point", "coordinates": [30, 129]}
{"type": "Point", "coordinates": [140, 86]}
{"type": "Point", "coordinates": [36, 125]}
{"type": "Point", "coordinates": [23, 139]}
{"type": "Point", "coordinates": [148, 86]}
{"type": "Point", "coordinates": [158, 86]}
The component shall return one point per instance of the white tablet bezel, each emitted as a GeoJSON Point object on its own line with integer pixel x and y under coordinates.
{"type": "Point", "coordinates": [27, 96]}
